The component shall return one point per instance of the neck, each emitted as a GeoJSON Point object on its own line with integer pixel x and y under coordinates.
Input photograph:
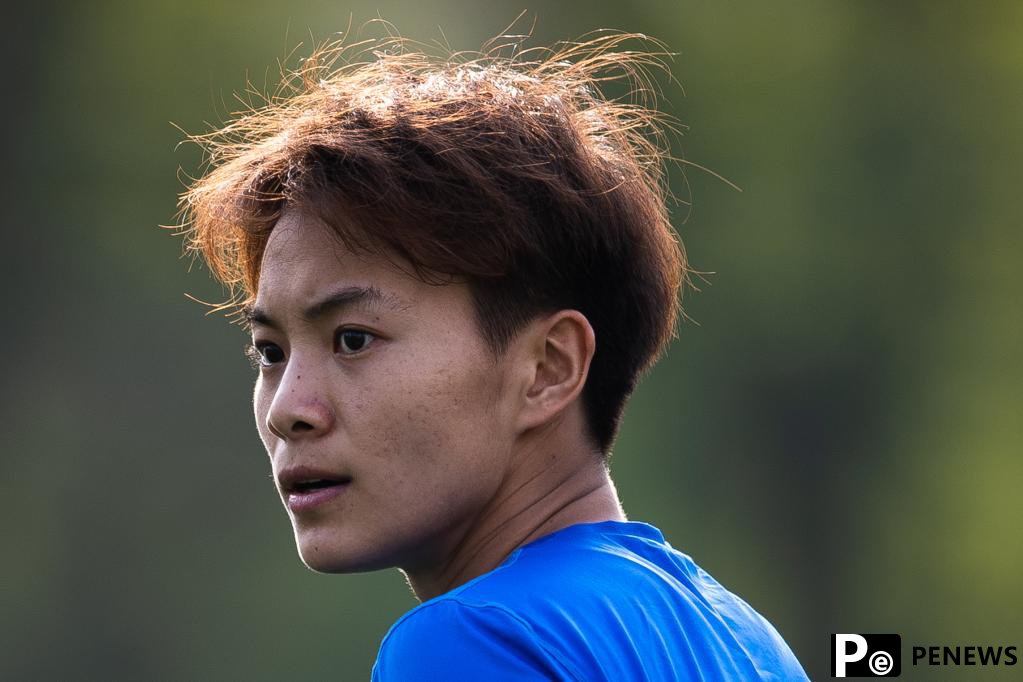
{"type": "Point", "coordinates": [547, 491]}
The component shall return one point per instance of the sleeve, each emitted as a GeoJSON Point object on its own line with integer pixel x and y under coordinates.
{"type": "Point", "coordinates": [452, 641]}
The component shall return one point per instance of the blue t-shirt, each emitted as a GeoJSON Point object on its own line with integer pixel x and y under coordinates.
{"type": "Point", "coordinates": [594, 601]}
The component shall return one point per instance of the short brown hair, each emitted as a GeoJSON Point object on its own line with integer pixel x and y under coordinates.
{"type": "Point", "coordinates": [514, 174]}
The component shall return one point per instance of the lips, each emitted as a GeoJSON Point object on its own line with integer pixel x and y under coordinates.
{"type": "Point", "coordinates": [305, 488]}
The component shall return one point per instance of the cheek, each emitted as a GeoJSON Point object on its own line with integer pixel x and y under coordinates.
{"type": "Point", "coordinates": [445, 417]}
{"type": "Point", "coordinates": [434, 457]}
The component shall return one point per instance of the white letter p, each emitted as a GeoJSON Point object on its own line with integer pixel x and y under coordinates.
{"type": "Point", "coordinates": [842, 656]}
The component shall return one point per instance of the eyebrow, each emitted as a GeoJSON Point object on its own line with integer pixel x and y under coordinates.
{"type": "Point", "coordinates": [338, 300]}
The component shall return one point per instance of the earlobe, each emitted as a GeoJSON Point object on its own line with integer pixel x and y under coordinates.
{"type": "Point", "coordinates": [562, 346]}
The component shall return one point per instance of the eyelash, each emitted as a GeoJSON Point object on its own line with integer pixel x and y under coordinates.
{"type": "Point", "coordinates": [254, 351]}
{"type": "Point", "coordinates": [253, 355]}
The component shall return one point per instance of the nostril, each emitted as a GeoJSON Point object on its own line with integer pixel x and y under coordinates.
{"type": "Point", "coordinates": [273, 429]}
{"type": "Point", "coordinates": [302, 426]}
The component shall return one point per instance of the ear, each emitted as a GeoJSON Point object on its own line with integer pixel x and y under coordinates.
{"type": "Point", "coordinates": [558, 350]}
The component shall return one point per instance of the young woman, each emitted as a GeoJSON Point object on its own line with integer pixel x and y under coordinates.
{"type": "Point", "coordinates": [454, 272]}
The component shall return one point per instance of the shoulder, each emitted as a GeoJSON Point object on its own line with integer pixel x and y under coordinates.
{"type": "Point", "coordinates": [600, 601]}
{"type": "Point", "coordinates": [617, 601]}
{"type": "Point", "coordinates": [448, 639]}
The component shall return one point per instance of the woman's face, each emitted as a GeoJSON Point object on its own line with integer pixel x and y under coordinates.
{"type": "Point", "coordinates": [381, 387]}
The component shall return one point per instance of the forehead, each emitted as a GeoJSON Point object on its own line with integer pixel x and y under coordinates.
{"type": "Point", "coordinates": [303, 256]}
{"type": "Point", "coordinates": [305, 263]}
{"type": "Point", "coordinates": [300, 243]}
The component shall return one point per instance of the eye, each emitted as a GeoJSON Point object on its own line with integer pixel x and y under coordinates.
{"type": "Point", "coordinates": [264, 354]}
{"type": "Point", "coordinates": [351, 341]}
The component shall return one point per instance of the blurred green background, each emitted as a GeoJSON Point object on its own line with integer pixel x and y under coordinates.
{"type": "Point", "coordinates": [836, 438]}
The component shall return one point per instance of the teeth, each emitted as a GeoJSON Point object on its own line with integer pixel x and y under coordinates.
{"type": "Point", "coordinates": [317, 483]}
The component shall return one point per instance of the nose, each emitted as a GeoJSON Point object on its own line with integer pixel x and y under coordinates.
{"type": "Point", "coordinates": [299, 409]}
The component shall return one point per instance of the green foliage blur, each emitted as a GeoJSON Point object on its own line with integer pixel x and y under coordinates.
{"type": "Point", "coordinates": [835, 435]}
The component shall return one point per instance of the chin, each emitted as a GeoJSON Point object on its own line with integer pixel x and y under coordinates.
{"type": "Point", "coordinates": [324, 558]}
{"type": "Point", "coordinates": [326, 564]}
{"type": "Point", "coordinates": [333, 555]}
